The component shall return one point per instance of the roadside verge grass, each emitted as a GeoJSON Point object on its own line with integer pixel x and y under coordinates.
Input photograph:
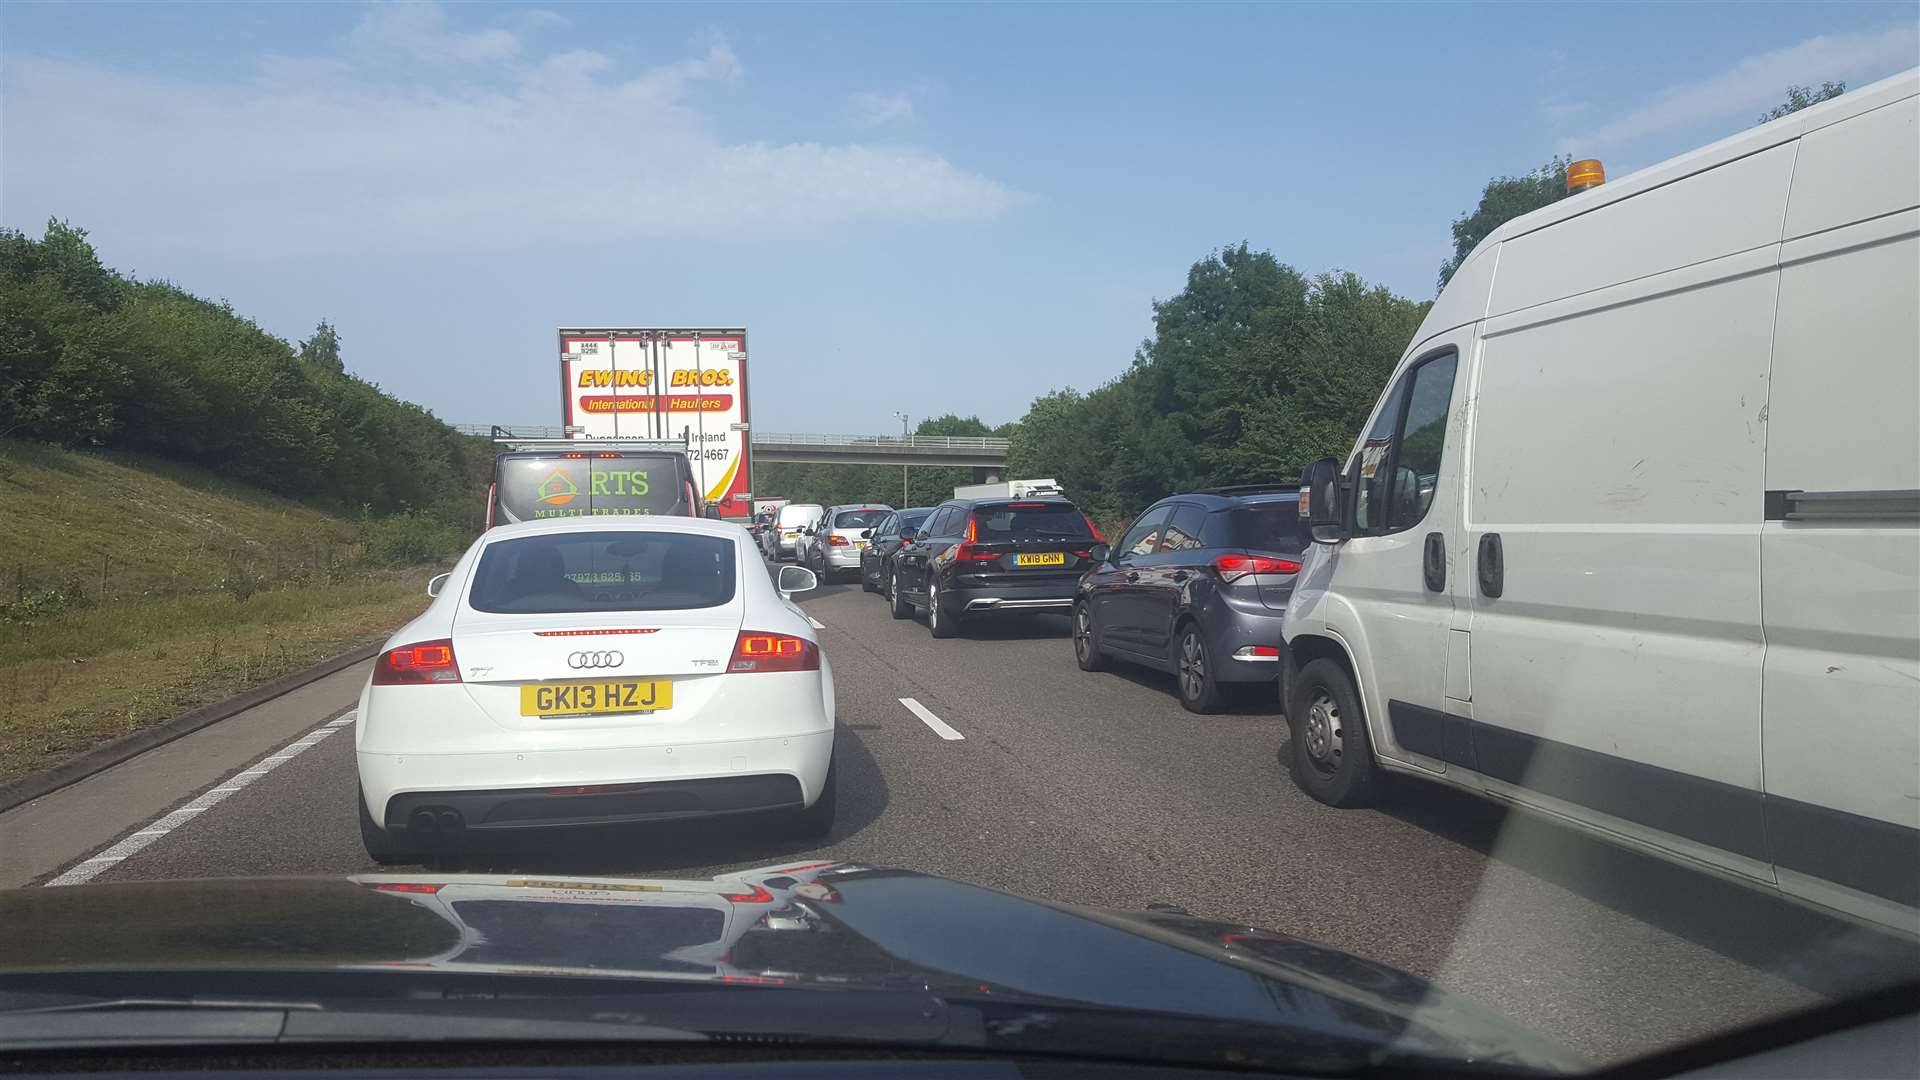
{"type": "Point", "coordinates": [71, 683]}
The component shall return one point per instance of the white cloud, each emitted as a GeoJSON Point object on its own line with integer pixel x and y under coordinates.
{"type": "Point", "coordinates": [870, 109]}
{"type": "Point", "coordinates": [416, 31]}
{"type": "Point", "coordinates": [538, 19]}
{"type": "Point", "coordinates": [1756, 83]}
{"type": "Point", "coordinates": [359, 156]}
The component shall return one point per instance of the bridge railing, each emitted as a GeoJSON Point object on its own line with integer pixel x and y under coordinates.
{"type": "Point", "coordinates": [982, 443]}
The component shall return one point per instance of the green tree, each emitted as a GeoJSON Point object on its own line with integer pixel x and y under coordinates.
{"type": "Point", "coordinates": [1505, 198]}
{"type": "Point", "coordinates": [322, 350]}
{"type": "Point", "coordinates": [1799, 97]}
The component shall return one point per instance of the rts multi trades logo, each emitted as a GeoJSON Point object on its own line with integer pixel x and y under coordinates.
{"type": "Point", "coordinates": [558, 489]}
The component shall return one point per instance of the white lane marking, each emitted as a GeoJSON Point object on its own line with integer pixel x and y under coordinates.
{"type": "Point", "coordinates": [926, 716]}
{"type": "Point", "coordinates": [816, 623]}
{"type": "Point", "coordinates": [88, 869]}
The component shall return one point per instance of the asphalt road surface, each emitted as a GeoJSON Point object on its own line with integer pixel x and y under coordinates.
{"type": "Point", "coordinates": [1099, 789]}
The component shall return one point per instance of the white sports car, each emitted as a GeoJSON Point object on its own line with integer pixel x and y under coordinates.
{"type": "Point", "coordinates": [586, 671]}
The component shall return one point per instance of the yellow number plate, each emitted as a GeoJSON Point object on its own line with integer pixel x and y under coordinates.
{"type": "Point", "coordinates": [595, 698]}
{"type": "Point", "coordinates": [1041, 558]}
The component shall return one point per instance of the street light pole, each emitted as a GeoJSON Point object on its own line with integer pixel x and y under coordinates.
{"type": "Point", "coordinates": [903, 465]}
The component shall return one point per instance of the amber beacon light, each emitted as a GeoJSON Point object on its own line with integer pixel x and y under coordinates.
{"type": "Point", "coordinates": [1584, 174]}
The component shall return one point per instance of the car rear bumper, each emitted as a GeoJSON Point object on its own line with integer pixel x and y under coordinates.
{"type": "Point", "coordinates": [985, 598]}
{"type": "Point", "coordinates": [501, 791]}
{"type": "Point", "coordinates": [1232, 628]}
{"type": "Point", "coordinates": [843, 558]}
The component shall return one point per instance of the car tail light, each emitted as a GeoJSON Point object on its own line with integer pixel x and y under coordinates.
{"type": "Point", "coordinates": [969, 553]}
{"type": "Point", "coordinates": [1257, 652]}
{"type": "Point", "coordinates": [405, 886]}
{"type": "Point", "coordinates": [419, 663]}
{"type": "Point", "coordinates": [1090, 528]}
{"type": "Point", "coordinates": [1237, 565]}
{"type": "Point", "coordinates": [1027, 506]}
{"type": "Point", "coordinates": [756, 650]}
{"type": "Point", "coordinates": [755, 895]}
{"type": "Point", "coordinates": [973, 529]}
{"type": "Point", "coordinates": [836, 540]}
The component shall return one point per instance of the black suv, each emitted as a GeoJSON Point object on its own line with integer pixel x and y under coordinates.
{"type": "Point", "coordinates": [976, 557]}
{"type": "Point", "coordinates": [1197, 586]}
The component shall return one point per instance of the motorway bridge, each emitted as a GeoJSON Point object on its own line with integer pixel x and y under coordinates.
{"type": "Point", "coordinates": [987, 456]}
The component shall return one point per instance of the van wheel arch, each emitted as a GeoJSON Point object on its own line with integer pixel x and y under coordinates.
{"type": "Point", "coordinates": [1307, 648]}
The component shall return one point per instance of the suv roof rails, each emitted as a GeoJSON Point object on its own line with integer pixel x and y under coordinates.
{"type": "Point", "coordinates": [1252, 489]}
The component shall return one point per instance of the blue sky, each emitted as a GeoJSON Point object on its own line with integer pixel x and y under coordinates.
{"type": "Point", "coordinates": [919, 208]}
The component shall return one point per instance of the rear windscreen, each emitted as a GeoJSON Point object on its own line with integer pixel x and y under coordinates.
{"type": "Point", "coordinates": [531, 487]}
{"type": "Point", "coordinates": [797, 515]}
{"type": "Point", "coordinates": [1031, 521]}
{"type": "Point", "coordinates": [1267, 526]}
{"type": "Point", "coordinates": [858, 519]}
{"type": "Point", "coordinates": [603, 571]}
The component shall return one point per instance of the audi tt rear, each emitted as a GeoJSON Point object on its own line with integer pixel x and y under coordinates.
{"type": "Point", "coordinates": [593, 671]}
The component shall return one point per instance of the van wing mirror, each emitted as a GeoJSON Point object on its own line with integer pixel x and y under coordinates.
{"type": "Point", "coordinates": [1320, 508]}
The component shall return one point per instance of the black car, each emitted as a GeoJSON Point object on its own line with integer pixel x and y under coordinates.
{"type": "Point", "coordinates": [780, 964]}
{"type": "Point", "coordinates": [883, 540]}
{"type": "Point", "coordinates": [978, 557]}
{"type": "Point", "coordinates": [1197, 587]}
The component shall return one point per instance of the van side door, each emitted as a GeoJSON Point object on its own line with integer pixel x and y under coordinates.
{"type": "Point", "coordinates": [1840, 544]}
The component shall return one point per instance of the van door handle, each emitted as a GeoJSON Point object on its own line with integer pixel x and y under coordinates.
{"type": "Point", "coordinates": [1433, 562]}
{"type": "Point", "coordinates": [1493, 566]}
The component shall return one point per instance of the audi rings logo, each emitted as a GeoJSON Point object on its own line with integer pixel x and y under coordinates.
{"type": "Point", "coordinates": [581, 660]}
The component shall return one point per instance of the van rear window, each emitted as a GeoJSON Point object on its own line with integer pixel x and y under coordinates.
{"type": "Point", "coordinates": [625, 570]}
{"type": "Point", "coordinates": [1030, 521]}
{"type": "Point", "coordinates": [533, 487]}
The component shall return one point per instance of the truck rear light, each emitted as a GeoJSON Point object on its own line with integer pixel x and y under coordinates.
{"type": "Point", "coordinates": [757, 651]}
{"type": "Point", "coordinates": [1238, 565]}
{"type": "Point", "coordinates": [423, 662]}
{"type": "Point", "coordinates": [836, 540]}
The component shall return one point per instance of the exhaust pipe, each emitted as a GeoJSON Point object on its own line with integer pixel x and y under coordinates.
{"type": "Point", "coordinates": [450, 821]}
{"type": "Point", "coordinates": [422, 821]}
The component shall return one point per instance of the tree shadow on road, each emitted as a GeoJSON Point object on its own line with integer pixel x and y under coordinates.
{"type": "Point", "coordinates": [682, 848]}
{"type": "Point", "coordinates": [1822, 953]}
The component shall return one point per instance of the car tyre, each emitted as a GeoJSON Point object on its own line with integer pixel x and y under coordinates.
{"type": "Point", "coordinates": [1332, 758]}
{"type": "Point", "coordinates": [1086, 643]}
{"type": "Point", "coordinates": [940, 625]}
{"type": "Point", "coordinates": [897, 605]}
{"type": "Point", "coordinates": [816, 821]}
{"type": "Point", "coordinates": [382, 846]}
{"type": "Point", "coordinates": [1193, 672]}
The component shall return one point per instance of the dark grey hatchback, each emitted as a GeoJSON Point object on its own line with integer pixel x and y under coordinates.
{"type": "Point", "coordinates": [1197, 586]}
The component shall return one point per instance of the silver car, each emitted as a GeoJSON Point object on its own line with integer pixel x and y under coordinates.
{"type": "Point", "coordinates": [790, 527]}
{"type": "Point", "coordinates": [834, 545]}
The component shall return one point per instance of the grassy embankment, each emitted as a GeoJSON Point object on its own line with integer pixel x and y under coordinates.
{"type": "Point", "coordinates": [132, 590]}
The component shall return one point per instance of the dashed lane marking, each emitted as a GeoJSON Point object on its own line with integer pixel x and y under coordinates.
{"type": "Point", "coordinates": [88, 869]}
{"type": "Point", "coordinates": [926, 716]}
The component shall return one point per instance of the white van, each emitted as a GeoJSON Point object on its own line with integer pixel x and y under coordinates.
{"type": "Point", "coordinates": [790, 524]}
{"type": "Point", "coordinates": [1633, 536]}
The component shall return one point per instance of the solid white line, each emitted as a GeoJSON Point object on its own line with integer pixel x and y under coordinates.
{"type": "Point", "coordinates": [817, 624]}
{"type": "Point", "coordinates": [173, 819]}
{"type": "Point", "coordinates": [926, 716]}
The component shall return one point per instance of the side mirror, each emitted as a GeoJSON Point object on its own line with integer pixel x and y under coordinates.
{"type": "Point", "coordinates": [795, 579]}
{"type": "Point", "coordinates": [866, 534]}
{"type": "Point", "coordinates": [1320, 508]}
{"type": "Point", "coordinates": [436, 583]}
{"type": "Point", "coordinates": [909, 534]}
{"type": "Point", "coordinates": [1100, 553]}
